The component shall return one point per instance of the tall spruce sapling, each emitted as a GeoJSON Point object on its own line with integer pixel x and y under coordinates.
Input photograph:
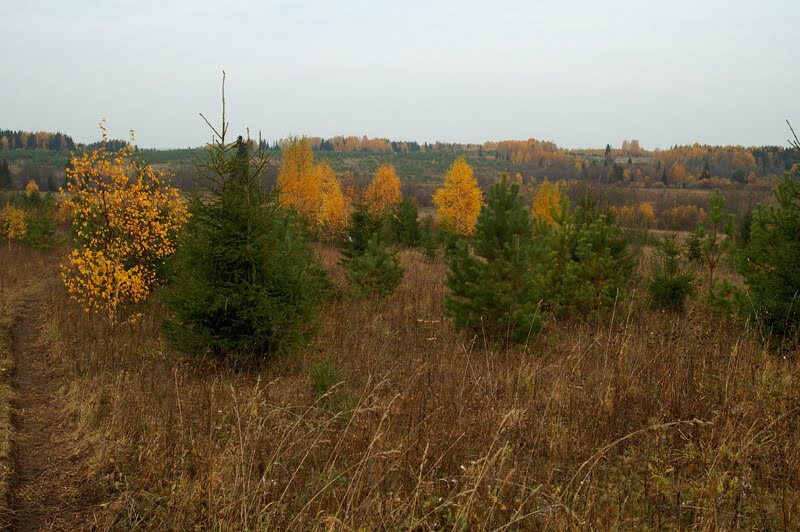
{"type": "Point", "coordinates": [491, 285]}
{"type": "Point", "coordinates": [404, 223]}
{"type": "Point", "coordinates": [769, 262]}
{"type": "Point", "coordinates": [713, 243]}
{"type": "Point", "coordinates": [670, 281]}
{"type": "Point", "coordinates": [244, 283]}
{"type": "Point", "coordinates": [371, 268]}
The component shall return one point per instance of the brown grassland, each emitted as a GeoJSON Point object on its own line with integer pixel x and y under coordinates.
{"type": "Point", "coordinates": [640, 419]}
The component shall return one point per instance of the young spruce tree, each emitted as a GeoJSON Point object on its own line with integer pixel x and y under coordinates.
{"type": "Point", "coordinates": [371, 268]}
{"type": "Point", "coordinates": [244, 282]}
{"type": "Point", "coordinates": [491, 287]}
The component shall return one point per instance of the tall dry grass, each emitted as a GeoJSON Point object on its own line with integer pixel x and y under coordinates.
{"type": "Point", "coordinates": [638, 420]}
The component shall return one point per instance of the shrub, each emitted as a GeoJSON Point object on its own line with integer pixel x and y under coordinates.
{"type": "Point", "coordinates": [492, 285]}
{"type": "Point", "coordinates": [324, 380]}
{"type": "Point", "coordinates": [125, 219]}
{"type": "Point", "coordinates": [12, 223]}
{"type": "Point", "coordinates": [670, 282]}
{"type": "Point", "coordinates": [770, 263]}
{"type": "Point", "coordinates": [244, 282]}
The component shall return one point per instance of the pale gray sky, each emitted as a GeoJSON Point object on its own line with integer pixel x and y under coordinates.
{"type": "Point", "coordinates": [581, 73]}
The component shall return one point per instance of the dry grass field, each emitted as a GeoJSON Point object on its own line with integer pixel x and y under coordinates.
{"type": "Point", "coordinates": [638, 420]}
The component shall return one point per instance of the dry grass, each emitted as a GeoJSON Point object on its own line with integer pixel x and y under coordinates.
{"type": "Point", "coordinates": [640, 420]}
{"type": "Point", "coordinates": [20, 269]}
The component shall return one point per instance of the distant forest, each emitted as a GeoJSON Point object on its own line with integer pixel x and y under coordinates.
{"type": "Point", "coordinates": [42, 156]}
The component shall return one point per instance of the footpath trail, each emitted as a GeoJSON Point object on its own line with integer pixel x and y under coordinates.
{"type": "Point", "coordinates": [47, 476]}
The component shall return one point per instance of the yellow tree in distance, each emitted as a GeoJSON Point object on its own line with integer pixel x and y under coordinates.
{"type": "Point", "coordinates": [458, 202]}
{"type": "Point", "coordinates": [334, 208]}
{"type": "Point", "coordinates": [297, 179]}
{"type": "Point", "coordinates": [12, 224]}
{"type": "Point", "coordinates": [31, 188]}
{"type": "Point", "coordinates": [312, 190]}
{"type": "Point", "coordinates": [383, 192]}
{"type": "Point", "coordinates": [548, 199]}
{"type": "Point", "coordinates": [125, 220]}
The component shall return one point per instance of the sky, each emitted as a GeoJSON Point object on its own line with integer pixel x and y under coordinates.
{"type": "Point", "coordinates": [580, 73]}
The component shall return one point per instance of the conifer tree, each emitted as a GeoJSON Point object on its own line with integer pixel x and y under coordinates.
{"type": "Point", "coordinates": [670, 282]}
{"type": "Point", "coordinates": [770, 263]}
{"type": "Point", "coordinates": [491, 286]}
{"type": "Point", "coordinates": [404, 223]}
{"type": "Point", "coordinates": [244, 283]}
{"type": "Point", "coordinates": [371, 268]}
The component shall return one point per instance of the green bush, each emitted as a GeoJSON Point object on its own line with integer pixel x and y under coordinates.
{"type": "Point", "coordinates": [404, 224]}
{"type": "Point", "coordinates": [670, 282]}
{"type": "Point", "coordinates": [40, 220]}
{"type": "Point", "coordinates": [244, 283]}
{"type": "Point", "coordinates": [492, 289]}
{"type": "Point", "coordinates": [363, 227]}
{"type": "Point", "coordinates": [588, 263]}
{"type": "Point", "coordinates": [770, 263]}
{"type": "Point", "coordinates": [375, 272]}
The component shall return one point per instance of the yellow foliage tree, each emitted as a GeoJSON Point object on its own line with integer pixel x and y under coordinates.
{"type": "Point", "coordinates": [383, 192]}
{"type": "Point", "coordinates": [548, 198]}
{"type": "Point", "coordinates": [647, 214]}
{"type": "Point", "coordinates": [334, 206]}
{"type": "Point", "coordinates": [298, 182]}
{"type": "Point", "coordinates": [125, 220]}
{"type": "Point", "coordinates": [458, 202]}
{"type": "Point", "coordinates": [31, 188]}
{"type": "Point", "coordinates": [12, 224]}
{"type": "Point", "coordinates": [313, 190]}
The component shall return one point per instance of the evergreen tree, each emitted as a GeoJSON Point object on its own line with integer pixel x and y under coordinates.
{"type": "Point", "coordinates": [5, 175]}
{"type": "Point", "coordinates": [404, 223]}
{"type": "Point", "coordinates": [429, 244]}
{"type": "Point", "coordinates": [364, 226]}
{"type": "Point", "coordinates": [588, 262]}
{"type": "Point", "coordinates": [706, 173]}
{"type": "Point", "coordinates": [375, 272]}
{"type": "Point", "coordinates": [491, 287]}
{"type": "Point", "coordinates": [770, 263]}
{"type": "Point", "coordinates": [244, 282]}
{"type": "Point", "coordinates": [670, 282]}
{"type": "Point", "coordinates": [371, 268]}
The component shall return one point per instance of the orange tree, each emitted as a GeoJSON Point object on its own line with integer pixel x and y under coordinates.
{"type": "Point", "coordinates": [383, 193]}
{"type": "Point", "coordinates": [547, 202]}
{"type": "Point", "coordinates": [312, 190]}
{"type": "Point", "coordinates": [125, 219]}
{"type": "Point", "coordinates": [458, 202]}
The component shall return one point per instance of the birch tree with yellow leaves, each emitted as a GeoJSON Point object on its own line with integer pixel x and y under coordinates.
{"type": "Point", "coordinates": [458, 202]}
{"type": "Point", "coordinates": [312, 190]}
{"type": "Point", "coordinates": [12, 224]}
{"type": "Point", "coordinates": [383, 192]}
{"type": "Point", "coordinates": [125, 220]}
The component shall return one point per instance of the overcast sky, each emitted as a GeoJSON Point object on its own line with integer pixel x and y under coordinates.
{"type": "Point", "coordinates": [581, 73]}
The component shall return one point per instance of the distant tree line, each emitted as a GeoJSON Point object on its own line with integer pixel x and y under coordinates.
{"type": "Point", "coordinates": [35, 140]}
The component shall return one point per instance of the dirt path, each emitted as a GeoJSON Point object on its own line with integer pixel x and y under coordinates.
{"type": "Point", "coordinates": [45, 490]}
